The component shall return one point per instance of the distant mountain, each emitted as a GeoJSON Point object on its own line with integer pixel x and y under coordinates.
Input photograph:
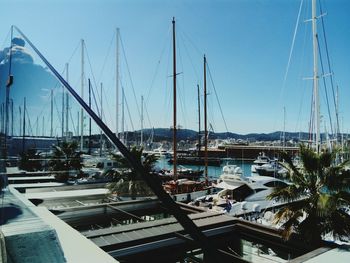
{"type": "Point", "coordinates": [160, 134]}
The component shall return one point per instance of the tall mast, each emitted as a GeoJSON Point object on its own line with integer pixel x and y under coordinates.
{"type": "Point", "coordinates": [284, 127]}
{"type": "Point", "coordinates": [20, 120]}
{"type": "Point", "coordinates": [205, 122]}
{"type": "Point", "coordinates": [174, 101]}
{"type": "Point", "coordinates": [90, 117]}
{"type": "Point", "coordinates": [67, 101]}
{"type": "Point", "coordinates": [43, 127]}
{"type": "Point", "coordinates": [37, 126]}
{"type": "Point", "coordinates": [199, 120]}
{"type": "Point", "coordinates": [123, 117]}
{"type": "Point", "coordinates": [63, 108]}
{"type": "Point", "coordinates": [12, 117]}
{"type": "Point", "coordinates": [101, 117]}
{"type": "Point", "coordinates": [141, 143]}
{"type": "Point", "coordinates": [117, 82]}
{"type": "Point", "coordinates": [78, 124]}
{"type": "Point", "coordinates": [82, 96]}
{"type": "Point", "coordinates": [337, 113]}
{"type": "Point", "coordinates": [315, 76]}
{"type": "Point", "coordinates": [51, 114]}
{"type": "Point", "coordinates": [24, 123]}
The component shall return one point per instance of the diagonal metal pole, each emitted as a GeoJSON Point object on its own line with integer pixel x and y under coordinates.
{"type": "Point", "coordinates": [153, 182]}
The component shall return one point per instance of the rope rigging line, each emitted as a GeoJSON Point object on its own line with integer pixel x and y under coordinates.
{"type": "Point", "coordinates": [108, 107]}
{"type": "Point", "coordinates": [217, 98]}
{"type": "Point", "coordinates": [190, 58]}
{"type": "Point", "coordinates": [312, 116]}
{"type": "Point", "coordinates": [167, 96]}
{"type": "Point", "coordinates": [158, 65]}
{"type": "Point", "coordinates": [128, 110]}
{"type": "Point", "coordinates": [181, 89]}
{"type": "Point", "coordinates": [301, 70]}
{"type": "Point", "coordinates": [58, 112]}
{"type": "Point", "coordinates": [289, 57]}
{"type": "Point", "coordinates": [325, 85]}
{"type": "Point", "coordinates": [106, 57]}
{"type": "Point", "coordinates": [30, 130]}
{"type": "Point", "coordinates": [6, 38]}
{"type": "Point", "coordinates": [191, 42]}
{"type": "Point", "coordinates": [147, 115]}
{"type": "Point", "coordinates": [129, 74]}
{"type": "Point", "coordinates": [73, 124]}
{"type": "Point", "coordinates": [74, 51]}
{"type": "Point", "coordinates": [93, 77]}
{"type": "Point", "coordinates": [291, 48]}
{"type": "Point", "coordinates": [329, 66]}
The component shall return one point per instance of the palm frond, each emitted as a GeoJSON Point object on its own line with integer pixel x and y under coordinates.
{"type": "Point", "coordinates": [326, 204]}
{"type": "Point", "coordinates": [289, 193]}
{"type": "Point", "coordinates": [338, 224]}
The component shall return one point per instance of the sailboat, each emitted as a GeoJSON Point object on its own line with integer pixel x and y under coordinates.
{"type": "Point", "coordinates": [183, 189]}
{"type": "Point", "coordinates": [195, 158]}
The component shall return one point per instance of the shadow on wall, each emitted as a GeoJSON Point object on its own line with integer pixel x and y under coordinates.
{"type": "Point", "coordinates": [9, 212]}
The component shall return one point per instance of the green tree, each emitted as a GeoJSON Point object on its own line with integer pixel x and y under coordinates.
{"type": "Point", "coordinates": [125, 180]}
{"type": "Point", "coordinates": [65, 159]}
{"type": "Point", "coordinates": [317, 197]}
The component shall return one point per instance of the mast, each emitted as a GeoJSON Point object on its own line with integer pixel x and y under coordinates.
{"type": "Point", "coordinates": [90, 117]}
{"type": "Point", "coordinates": [37, 126]}
{"type": "Point", "coordinates": [51, 114]}
{"type": "Point", "coordinates": [24, 124]}
{"type": "Point", "coordinates": [315, 76]}
{"type": "Point", "coordinates": [82, 96]}
{"type": "Point", "coordinates": [67, 101]}
{"type": "Point", "coordinates": [174, 101]}
{"type": "Point", "coordinates": [123, 117]}
{"type": "Point", "coordinates": [337, 113]}
{"type": "Point", "coordinates": [20, 120]}
{"type": "Point", "coordinates": [141, 143]}
{"type": "Point", "coordinates": [101, 120]}
{"type": "Point", "coordinates": [78, 124]}
{"type": "Point", "coordinates": [62, 118]}
{"type": "Point", "coordinates": [117, 82]}
{"type": "Point", "coordinates": [205, 122]}
{"type": "Point", "coordinates": [284, 127]}
{"type": "Point", "coordinates": [43, 127]}
{"type": "Point", "coordinates": [12, 117]}
{"type": "Point", "coordinates": [199, 121]}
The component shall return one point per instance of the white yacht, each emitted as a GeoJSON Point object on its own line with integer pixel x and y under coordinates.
{"type": "Point", "coordinates": [271, 169]}
{"type": "Point", "coordinates": [243, 196]}
{"type": "Point", "coordinates": [161, 153]}
{"type": "Point", "coordinates": [260, 160]}
{"type": "Point", "coordinates": [232, 175]}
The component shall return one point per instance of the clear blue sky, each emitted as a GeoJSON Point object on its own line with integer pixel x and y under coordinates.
{"type": "Point", "coordinates": [247, 43]}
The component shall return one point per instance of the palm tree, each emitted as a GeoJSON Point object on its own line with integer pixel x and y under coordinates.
{"type": "Point", "coordinates": [29, 160]}
{"type": "Point", "coordinates": [65, 159]}
{"type": "Point", "coordinates": [126, 180]}
{"type": "Point", "coordinates": [317, 197]}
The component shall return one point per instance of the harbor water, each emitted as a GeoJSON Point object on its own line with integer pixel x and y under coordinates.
{"type": "Point", "coordinates": [213, 171]}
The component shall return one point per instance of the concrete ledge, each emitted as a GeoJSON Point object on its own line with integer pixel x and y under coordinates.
{"type": "Point", "coordinates": [36, 235]}
{"type": "Point", "coordinates": [27, 237]}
